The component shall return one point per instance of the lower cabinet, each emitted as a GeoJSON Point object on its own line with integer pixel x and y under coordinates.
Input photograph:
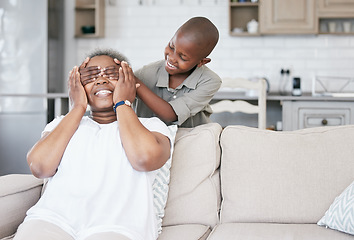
{"type": "Point", "coordinates": [306, 114]}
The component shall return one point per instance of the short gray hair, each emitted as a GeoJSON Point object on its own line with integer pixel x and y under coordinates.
{"type": "Point", "coordinates": [108, 52]}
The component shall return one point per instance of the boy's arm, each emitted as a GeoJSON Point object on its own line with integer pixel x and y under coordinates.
{"type": "Point", "coordinates": [46, 154]}
{"type": "Point", "coordinates": [159, 106]}
{"type": "Point", "coordinates": [145, 150]}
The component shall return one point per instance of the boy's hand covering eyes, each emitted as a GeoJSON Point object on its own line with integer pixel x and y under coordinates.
{"type": "Point", "coordinates": [111, 72]}
{"type": "Point", "coordinates": [90, 74]}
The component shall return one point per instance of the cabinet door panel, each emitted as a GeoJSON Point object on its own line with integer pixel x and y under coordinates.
{"type": "Point", "coordinates": [336, 8]}
{"type": "Point", "coordinates": [288, 16]}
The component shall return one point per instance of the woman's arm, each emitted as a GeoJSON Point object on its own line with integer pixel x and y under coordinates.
{"type": "Point", "coordinates": [46, 154]}
{"type": "Point", "coordinates": [145, 150]}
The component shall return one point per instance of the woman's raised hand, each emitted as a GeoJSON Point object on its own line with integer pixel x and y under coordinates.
{"type": "Point", "coordinates": [126, 87]}
{"type": "Point", "coordinates": [77, 92]}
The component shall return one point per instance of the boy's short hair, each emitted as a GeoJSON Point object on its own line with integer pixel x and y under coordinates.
{"type": "Point", "coordinates": [205, 33]}
{"type": "Point", "coordinates": [108, 52]}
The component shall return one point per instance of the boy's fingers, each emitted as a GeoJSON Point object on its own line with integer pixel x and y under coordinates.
{"type": "Point", "coordinates": [83, 65]}
{"type": "Point", "coordinates": [89, 71]}
{"type": "Point", "coordinates": [117, 61]}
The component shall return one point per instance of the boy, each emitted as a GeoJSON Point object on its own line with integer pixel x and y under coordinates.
{"type": "Point", "coordinates": [100, 167]}
{"type": "Point", "coordinates": [178, 89]}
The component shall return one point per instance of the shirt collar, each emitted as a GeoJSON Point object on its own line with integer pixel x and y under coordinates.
{"type": "Point", "coordinates": [190, 82]}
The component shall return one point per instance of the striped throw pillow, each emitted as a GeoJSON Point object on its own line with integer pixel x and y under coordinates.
{"type": "Point", "coordinates": [160, 185]}
{"type": "Point", "coordinates": [340, 215]}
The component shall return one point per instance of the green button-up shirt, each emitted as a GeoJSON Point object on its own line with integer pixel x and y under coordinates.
{"type": "Point", "coordinates": [190, 100]}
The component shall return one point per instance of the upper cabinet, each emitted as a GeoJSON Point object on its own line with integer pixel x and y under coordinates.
{"type": "Point", "coordinates": [291, 17]}
{"type": "Point", "coordinates": [242, 13]}
{"type": "Point", "coordinates": [89, 18]}
{"type": "Point", "coordinates": [288, 17]}
{"type": "Point", "coordinates": [336, 8]}
{"type": "Point", "coordinates": [336, 16]}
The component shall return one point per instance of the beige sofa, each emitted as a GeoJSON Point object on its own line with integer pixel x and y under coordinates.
{"type": "Point", "coordinates": [236, 183]}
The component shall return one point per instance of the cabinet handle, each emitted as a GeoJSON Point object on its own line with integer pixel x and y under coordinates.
{"type": "Point", "coordinates": [324, 122]}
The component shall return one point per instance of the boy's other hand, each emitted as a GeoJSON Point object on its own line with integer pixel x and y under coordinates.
{"type": "Point", "coordinates": [77, 92]}
{"type": "Point", "coordinates": [111, 72]}
{"type": "Point", "coordinates": [89, 74]}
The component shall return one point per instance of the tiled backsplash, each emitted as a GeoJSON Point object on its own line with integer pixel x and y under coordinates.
{"type": "Point", "coordinates": [142, 28]}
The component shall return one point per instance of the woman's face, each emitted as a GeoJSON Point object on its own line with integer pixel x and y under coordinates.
{"type": "Point", "coordinates": [100, 91]}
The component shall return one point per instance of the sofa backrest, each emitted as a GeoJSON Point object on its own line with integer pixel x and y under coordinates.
{"type": "Point", "coordinates": [287, 177]}
{"type": "Point", "coordinates": [194, 189]}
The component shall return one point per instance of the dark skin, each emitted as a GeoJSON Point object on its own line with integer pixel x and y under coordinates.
{"type": "Point", "coordinates": [146, 151]}
{"type": "Point", "coordinates": [91, 73]}
{"type": "Point", "coordinates": [187, 50]}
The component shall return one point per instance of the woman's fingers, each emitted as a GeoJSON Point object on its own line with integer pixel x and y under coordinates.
{"type": "Point", "coordinates": [128, 73]}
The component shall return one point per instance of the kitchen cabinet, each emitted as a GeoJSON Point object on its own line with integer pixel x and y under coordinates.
{"type": "Point", "coordinates": [313, 113]}
{"type": "Point", "coordinates": [89, 18]}
{"type": "Point", "coordinates": [335, 8]}
{"type": "Point", "coordinates": [241, 13]}
{"type": "Point", "coordinates": [292, 17]}
{"type": "Point", "coordinates": [294, 112]}
{"type": "Point", "coordinates": [336, 16]}
{"type": "Point", "coordinates": [288, 17]}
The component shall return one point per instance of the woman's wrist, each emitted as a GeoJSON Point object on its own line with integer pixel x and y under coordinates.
{"type": "Point", "coordinates": [79, 108]}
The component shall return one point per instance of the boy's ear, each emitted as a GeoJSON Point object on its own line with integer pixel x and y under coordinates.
{"type": "Point", "coordinates": [203, 62]}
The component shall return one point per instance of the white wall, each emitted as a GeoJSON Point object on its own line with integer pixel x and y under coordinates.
{"type": "Point", "coordinates": [141, 32]}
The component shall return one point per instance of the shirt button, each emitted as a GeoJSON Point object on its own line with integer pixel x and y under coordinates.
{"type": "Point", "coordinates": [174, 96]}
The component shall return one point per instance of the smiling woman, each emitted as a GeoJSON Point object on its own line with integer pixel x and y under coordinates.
{"type": "Point", "coordinates": [100, 87]}
{"type": "Point", "coordinates": [106, 159]}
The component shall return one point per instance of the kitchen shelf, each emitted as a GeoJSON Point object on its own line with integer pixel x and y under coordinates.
{"type": "Point", "coordinates": [338, 28]}
{"type": "Point", "coordinates": [308, 17]}
{"type": "Point", "coordinates": [82, 7]}
{"type": "Point", "coordinates": [240, 13]}
{"type": "Point", "coordinates": [89, 13]}
{"type": "Point", "coordinates": [336, 12]}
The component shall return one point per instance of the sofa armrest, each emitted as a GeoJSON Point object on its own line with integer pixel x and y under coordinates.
{"type": "Point", "coordinates": [18, 192]}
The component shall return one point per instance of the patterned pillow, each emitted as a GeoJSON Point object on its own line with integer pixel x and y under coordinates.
{"type": "Point", "coordinates": [340, 215]}
{"type": "Point", "coordinates": [161, 182]}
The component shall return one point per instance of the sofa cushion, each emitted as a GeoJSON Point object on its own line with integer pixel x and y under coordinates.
{"type": "Point", "coordinates": [18, 192]}
{"type": "Point", "coordinates": [272, 231]}
{"type": "Point", "coordinates": [287, 177]}
{"type": "Point", "coordinates": [193, 195]}
{"type": "Point", "coordinates": [185, 232]}
{"type": "Point", "coordinates": [340, 215]}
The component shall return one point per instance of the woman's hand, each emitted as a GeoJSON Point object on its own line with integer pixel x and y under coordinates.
{"type": "Point", "coordinates": [77, 92]}
{"type": "Point", "coordinates": [125, 88]}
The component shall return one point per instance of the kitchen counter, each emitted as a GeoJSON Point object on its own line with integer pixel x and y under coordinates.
{"type": "Point", "coordinates": [293, 112]}
{"type": "Point", "coordinates": [234, 95]}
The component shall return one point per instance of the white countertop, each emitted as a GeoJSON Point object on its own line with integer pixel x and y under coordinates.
{"type": "Point", "coordinates": [234, 95]}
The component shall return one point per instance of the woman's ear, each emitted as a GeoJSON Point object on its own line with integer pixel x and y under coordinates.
{"type": "Point", "coordinates": [203, 62]}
